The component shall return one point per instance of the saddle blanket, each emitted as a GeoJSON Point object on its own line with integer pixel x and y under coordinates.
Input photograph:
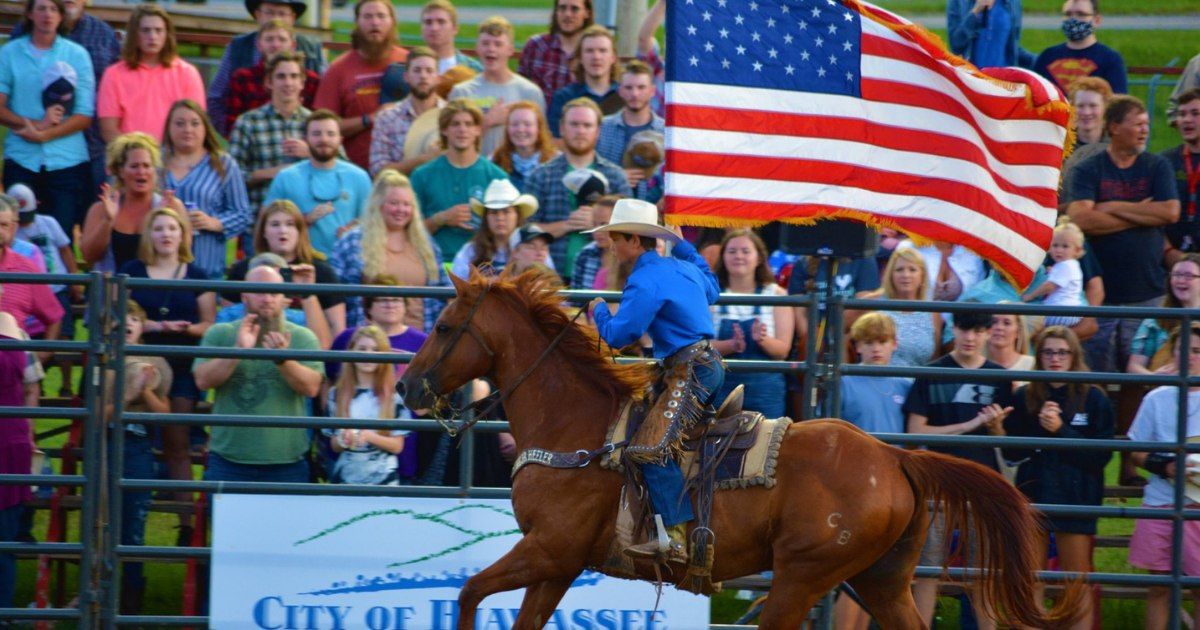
{"type": "Point", "coordinates": [750, 461]}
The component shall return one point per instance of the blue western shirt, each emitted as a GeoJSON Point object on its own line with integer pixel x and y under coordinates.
{"type": "Point", "coordinates": [667, 297]}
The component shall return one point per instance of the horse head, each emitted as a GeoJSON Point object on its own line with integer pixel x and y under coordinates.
{"type": "Point", "coordinates": [456, 351]}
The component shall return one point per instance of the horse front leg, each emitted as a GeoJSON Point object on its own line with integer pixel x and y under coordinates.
{"type": "Point", "coordinates": [540, 601]}
{"type": "Point", "coordinates": [525, 565]}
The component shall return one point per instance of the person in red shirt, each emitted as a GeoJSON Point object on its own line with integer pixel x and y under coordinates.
{"type": "Point", "coordinates": [350, 87]}
{"type": "Point", "coordinates": [23, 300]}
{"type": "Point", "coordinates": [248, 86]}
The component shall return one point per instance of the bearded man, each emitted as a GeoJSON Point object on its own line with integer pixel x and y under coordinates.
{"type": "Point", "coordinates": [328, 191]}
{"type": "Point", "coordinates": [559, 211]}
{"type": "Point", "coordinates": [350, 88]}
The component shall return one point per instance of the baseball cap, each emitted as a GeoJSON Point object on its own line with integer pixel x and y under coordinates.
{"type": "Point", "coordinates": [26, 202]}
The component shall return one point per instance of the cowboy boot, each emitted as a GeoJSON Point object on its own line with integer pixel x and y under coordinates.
{"type": "Point", "coordinates": [676, 550]}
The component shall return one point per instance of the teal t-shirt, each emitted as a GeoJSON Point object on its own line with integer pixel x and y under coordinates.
{"type": "Point", "coordinates": [256, 388]}
{"type": "Point", "coordinates": [440, 185]}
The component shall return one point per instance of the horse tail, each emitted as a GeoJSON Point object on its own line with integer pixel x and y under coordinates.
{"type": "Point", "coordinates": [978, 500]}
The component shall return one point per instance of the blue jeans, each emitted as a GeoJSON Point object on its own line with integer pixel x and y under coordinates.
{"type": "Point", "coordinates": [135, 504]}
{"type": "Point", "coordinates": [64, 194]}
{"type": "Point", "coordinates": [221, 469]}
{"type": "Point", "coordinates": [664, 482]}
{"type": "Point", "coordinates": [1108, 349]}
{"type": "Point", "coordinates": [10, 519]}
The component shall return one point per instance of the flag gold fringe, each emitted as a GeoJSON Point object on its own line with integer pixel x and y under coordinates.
{"type": "Point", "coordinates": [872, 220]}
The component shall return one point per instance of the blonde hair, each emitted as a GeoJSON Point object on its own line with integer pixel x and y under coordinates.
{"type": "Point", "coordinates": [1070, 230]}
{"type": "Point", "coordinates": [873, 326]}
{"type": "Point", "coordinates": [497, 26]}
{"type": "Point", "coordinates": [146, 242]}
{"type": "Point", "coordinates": [585, 103]}
{"type": "Point", "coordinates": [441, 5]}
{"type": "Point", "coordinates": [910, 255]}
{"type": "Point", "coordinates": [374, 231]}
{"type": "Point", "coordinates": [591, 32]}
{"type": "Point", "coordinates": [383, 383]}
{"type": "Point", "coordinates": [118, 150]}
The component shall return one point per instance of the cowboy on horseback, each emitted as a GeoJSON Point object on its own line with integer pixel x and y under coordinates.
{"type": "Point", "coordinates": [669, 298]}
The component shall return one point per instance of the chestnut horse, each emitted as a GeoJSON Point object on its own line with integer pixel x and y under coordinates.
{"type": "Point", "coordinates": [846, 507]}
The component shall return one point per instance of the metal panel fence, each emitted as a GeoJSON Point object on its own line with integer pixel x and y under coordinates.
{"type": "Point", "coordinates": [102, 484]}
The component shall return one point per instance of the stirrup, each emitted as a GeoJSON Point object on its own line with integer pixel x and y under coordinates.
{"type": "Point", "coordinates": [733, 403]}
{"type": "Point", "coordinates": [661, 548]}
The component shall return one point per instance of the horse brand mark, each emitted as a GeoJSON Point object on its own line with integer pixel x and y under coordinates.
{"type": "Point", "coordinates": [873, 482]}
{"type": "Point", "coordinates": [843, 537]}
{"type": "Point", "coordinates": [833, 519]}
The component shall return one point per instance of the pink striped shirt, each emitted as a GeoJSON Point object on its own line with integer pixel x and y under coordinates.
{"type": "Point", "coordinates": [23, 300]}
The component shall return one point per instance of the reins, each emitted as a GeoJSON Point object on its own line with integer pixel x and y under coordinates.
{"type": "Point", "coordinates": [454, 428]}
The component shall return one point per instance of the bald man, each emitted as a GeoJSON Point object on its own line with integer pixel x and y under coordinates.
{"type": "Point", "coordinates": [259, 387]}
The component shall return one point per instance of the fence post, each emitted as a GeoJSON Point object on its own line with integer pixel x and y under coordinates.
{"type": "Point", "coordinates": [116, 431]}
{"type": "Point", "coordinates": [95, 568]}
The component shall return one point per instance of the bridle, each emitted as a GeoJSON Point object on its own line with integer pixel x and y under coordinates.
{"type": "Point", "coordinates": [454, 428]}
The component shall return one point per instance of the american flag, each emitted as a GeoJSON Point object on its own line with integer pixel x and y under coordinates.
{"type": "Point", "coordinates": [795, 109]}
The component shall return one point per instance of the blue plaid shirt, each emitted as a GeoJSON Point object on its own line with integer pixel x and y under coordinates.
{"type": "Point", "coordinates": [555, 202]}
{"type": "Point", "coordinates": [612, 144]}
{"type": "Point", "coordinates": [587, 265]}
{"type": "Point", "coordinates": [347, 261]}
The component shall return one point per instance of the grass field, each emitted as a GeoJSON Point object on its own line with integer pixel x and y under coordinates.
{"type": "Point", "coordinates": [1108, 7]}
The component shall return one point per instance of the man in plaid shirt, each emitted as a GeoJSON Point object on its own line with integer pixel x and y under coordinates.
{"type": "Point", "coordinates": [559, 212]}
{"type": "Point", "coordinates": [247, 86]}
{"type": "Point", "coordinates": [270, 138]}
{"type": "Point", "coordinates": [591, 258]}
{"type": "Point", "coordinates": [546, 58]}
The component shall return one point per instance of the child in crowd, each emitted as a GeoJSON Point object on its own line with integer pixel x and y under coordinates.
{"type": "Point", "coordinates": [873, 403]}
{"type": "Point", "coordinates": [1157, 420]}
{"type": "Point", "coordinates": [366, 390]}
{"type": "Point", "coordinates": [1064, 283]}
{"type": "Point", "coordinates": [531, 249]}
{"type": "Point", "coordinates": [147, 384]}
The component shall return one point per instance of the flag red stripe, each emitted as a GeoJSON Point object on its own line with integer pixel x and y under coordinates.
{"type": "Point", "coordinates": [933, 230]}
{"type": "Point", "coordinates": [859, 130]}
{"type": "Point", "coordinates": [856, 176]}
{"type": "Point", "coordinates": [999, 107]}
{"type": "Point", "coordinates": [899, 93]}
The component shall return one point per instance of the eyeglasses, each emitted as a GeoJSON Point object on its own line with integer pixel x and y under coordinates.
{"type": "Point", "coordinates": [1079, 15]}
{"type": "Point", "coordinates": [1183, 275]}
{"type": "Point", "coordinates": [1051, 353]}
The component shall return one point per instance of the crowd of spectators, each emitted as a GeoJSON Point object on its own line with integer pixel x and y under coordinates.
{"type": "Point", "coordinates": [396, 167]}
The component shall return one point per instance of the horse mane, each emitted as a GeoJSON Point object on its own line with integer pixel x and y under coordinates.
{"type": "Point", "coordinates": [537, 293]}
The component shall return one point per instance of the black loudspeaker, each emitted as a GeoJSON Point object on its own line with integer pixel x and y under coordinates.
{"type": "Point", "coordinates": [833, 237]}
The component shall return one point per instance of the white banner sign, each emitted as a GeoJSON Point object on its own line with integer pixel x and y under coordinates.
{"type": "Point", "coordinates": [307, 563]}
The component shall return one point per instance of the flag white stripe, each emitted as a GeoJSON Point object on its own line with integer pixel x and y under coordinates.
{"type": "Point", "coordinates": [883, 204]}
{"type": "Point", "coordinates": [889, 69]}
{"type": "Point", "coordinates": [901, 116]}
{"type": "Point", "coordinates": [918, 165]}
{"type": "Point", "coordinates": [977, 84]}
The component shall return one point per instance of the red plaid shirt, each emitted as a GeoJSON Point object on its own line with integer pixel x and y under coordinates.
{"type": "Point", "coordinates": [544, 62]}
{"type": "Point", "coordinates": [247, 90]}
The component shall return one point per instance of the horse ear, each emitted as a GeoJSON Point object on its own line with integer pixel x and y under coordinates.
{"type": "Point", "coordinates": [460, 285]}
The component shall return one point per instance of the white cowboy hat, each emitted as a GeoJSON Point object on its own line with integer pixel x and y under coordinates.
{"type": "Point", "coordinates": [501, 194]}
{"type": "Point", "coordinates": [634, 216]}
